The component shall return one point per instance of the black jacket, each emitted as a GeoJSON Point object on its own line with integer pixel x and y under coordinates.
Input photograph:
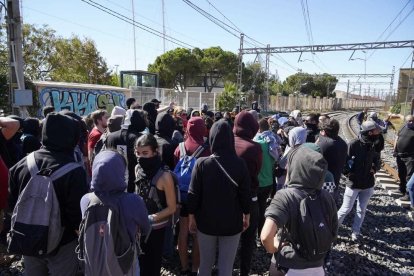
{"type": "Point", "coordinates": [218, 205]}
{"type": "Point", "coordinates": [164, 128]}
{"type": "Point", "coordinates": [365, 159]}
{"type": "Point", "coordinates": [334, 150]}
{"type": "Point", "coordinates": [59, 137]}
{"type": "Point", "coordinates": [123, 141]}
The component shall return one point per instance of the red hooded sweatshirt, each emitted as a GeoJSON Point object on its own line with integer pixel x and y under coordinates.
{"type": "Point", "coordinates": [195, 131]}
{"type": "Point", "coordinates": [245, 128]}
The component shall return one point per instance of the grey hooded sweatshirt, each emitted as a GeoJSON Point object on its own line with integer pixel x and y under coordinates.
{"type": "Point", "coordinates": [306, 171]}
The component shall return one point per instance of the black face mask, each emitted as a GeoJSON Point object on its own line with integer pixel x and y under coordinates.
{"type": "Point", "coordinates": [311, 126]}
{"type": "Point", "coordinates": [373, 138]}
{"type": "Point", "coordinates": [149, 164]}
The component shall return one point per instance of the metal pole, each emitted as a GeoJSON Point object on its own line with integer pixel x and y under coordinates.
{"type": "Point", "coordinates": [240, 69]}
{"type": "Point", "coordinates": [163, 24]}
{"type": "Point", "coordinates": [408, 85]}
{"type": "Point", "coordinates": [267, 79]}
{"type": "Point", "coordinates": [133, 31]}
{"type": "Point", "coordinates": [347, 90]}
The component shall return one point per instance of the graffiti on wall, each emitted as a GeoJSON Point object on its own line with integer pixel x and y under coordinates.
{"type": "Point", "coordinates": [80, 101]}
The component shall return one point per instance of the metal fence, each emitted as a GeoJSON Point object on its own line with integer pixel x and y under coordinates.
{"type": "Point", "coordinates": [186, 99]}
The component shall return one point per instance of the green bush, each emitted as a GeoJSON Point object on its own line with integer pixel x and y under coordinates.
{"type": "Point", "coordinates": [396, 109]}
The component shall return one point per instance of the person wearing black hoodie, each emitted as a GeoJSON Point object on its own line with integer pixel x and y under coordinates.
{"type": "Point", "coordinates": [60, 135]}
{"type": "Point", "coordinates": [151, 109]}
{"type": "Point", "coordinates": [30, 137]}
{"type": "Point", "coordinates": [123, 141]}
{"type": "Point", "coordinates": [245, 128]}
{"type": "Point", "coordinates": [306, 173]}
{"type": "Point", "coordinates": [164, 128]}
{"type": "Point", "coordinates": [219, 201]}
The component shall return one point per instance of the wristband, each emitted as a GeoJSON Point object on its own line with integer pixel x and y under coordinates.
{"type": "Point", "coordinates": [151, 219]}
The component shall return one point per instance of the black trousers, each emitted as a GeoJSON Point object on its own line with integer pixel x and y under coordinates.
{"type": "Point", "coordinates": [150, 261]}
{"type": "Point", "coordinates": [263, 194]}
{"type": "Point", "coordinates": [405, 171]}
{"type": "Point", "coordinates": [248, 240]}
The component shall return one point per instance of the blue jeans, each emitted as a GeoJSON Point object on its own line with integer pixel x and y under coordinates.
{"type": "Point", "coordinates": [350, 196]}
{"type": "Point", "coordinates": [410, 189]}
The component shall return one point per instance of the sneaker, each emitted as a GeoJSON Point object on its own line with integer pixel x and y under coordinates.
{"type": "Point", "coordinates": [355, 236]}
{"type": "Point", "coordinates": [405, 198]}
{"type": "Point", "coordinates": [185, 272]}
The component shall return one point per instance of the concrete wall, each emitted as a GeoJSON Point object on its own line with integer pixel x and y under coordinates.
{"type": "Point", "coordinates": [291, 102]}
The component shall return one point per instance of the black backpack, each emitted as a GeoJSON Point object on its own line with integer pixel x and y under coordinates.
{"type": "Point", "coordinates": [148, 191]}
{"type": "Point", "coordinates": [316, 229]}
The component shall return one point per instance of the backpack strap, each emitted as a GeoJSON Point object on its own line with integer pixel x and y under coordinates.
{"type": "Point", "coordinates": [198, 151]}
{"type": "Point", "coordinates": [154, 181]}
{"type": "Point", "coordinates": [183, 152]}
{"type": "Point", "coordinates": [64, 170]}
{"type": "Point", "coordinates": [224, 171]}
{"type": "Point", "coordinates": [31, 164]}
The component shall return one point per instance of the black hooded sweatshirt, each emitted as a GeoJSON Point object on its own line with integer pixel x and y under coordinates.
{"type": "Point", "coordinates": [306, 171]}
{"type": "Point", "coordinates": [30, 137]}
{"type": "Point", "coordinates": [125, 139]}
{"type": "Point", "coordinates": [218, 205]}
{"type": "Point", "coordinates": [164, 128]}
{"type": "Point", "coordinates": [245, 128]}
{"type": "Point", "coordinates": [60, 135]}
{"type": "Point", "coordinates": [152, 116]}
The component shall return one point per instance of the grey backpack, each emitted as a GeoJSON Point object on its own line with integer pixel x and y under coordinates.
{"type": "Point", "coordinates": [36, 228]}
{"type": "Point", "coordinates": [105, 246]}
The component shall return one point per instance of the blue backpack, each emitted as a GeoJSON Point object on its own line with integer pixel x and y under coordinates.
{"type": "Point", "coordinates": [184, 169]}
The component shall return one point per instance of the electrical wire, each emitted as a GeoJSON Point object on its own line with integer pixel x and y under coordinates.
{"type": "Point", "coordinates": [137, 24]}
{"type": "Point", "coordinates": [153, 21]}
{"type": "Point", "coordinates": [214, 7]}
{"type": "Point", "coordinates": [402, 65]}
{"type": "Point", "coordinates": [396, 27]}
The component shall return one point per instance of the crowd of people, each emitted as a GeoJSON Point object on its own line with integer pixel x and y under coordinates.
{"type": "Point", "coordinates": [236, 180]}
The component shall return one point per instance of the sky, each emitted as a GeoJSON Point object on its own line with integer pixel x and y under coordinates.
{"type": "Point", "coordinates": [274, 22]}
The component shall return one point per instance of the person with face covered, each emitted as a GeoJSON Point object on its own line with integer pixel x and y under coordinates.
{"type": "Point", "coordinates": [196, 130]}
{"type": "Point", "coordinates": [164, 128]}
{"type": "Point", "coordinates": [30, 137]}
{"type": "Point", "coordinates": [152, 112]}
{"type": "Point", "coordinates": [245, 128]}
{"type": "Point", "coordinates": [219, 201]}
{"type": "Point", "coordinates": [364, 162]}
{"type": "Point", "coordinates": [148, 165]}
{"type": "Point", "coordinates": [311, 123]}
{"type": "Point", "coordinates": [296, 137]}
{"type": "Point", "coordinates": [123, 141]}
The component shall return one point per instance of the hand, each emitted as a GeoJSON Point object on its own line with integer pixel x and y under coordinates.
{"type": "Point", "coordinates": [192, 224]}
{"type": "Point", "coordinates": [246, 221]}
{"type": "Point", "coordinates": [372, 171]}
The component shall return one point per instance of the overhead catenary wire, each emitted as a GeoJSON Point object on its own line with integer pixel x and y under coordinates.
{"type": "Point", "coordinates": [137, 24]}
{"type": "Point", "coordinates": [395, 28]}
{"type": "Point", "coordinates": [153, 21]}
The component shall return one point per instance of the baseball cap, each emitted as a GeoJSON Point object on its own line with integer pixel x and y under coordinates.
{"type": "Point", "coordinates": [368, 126]}
{"type": "Point", "coordinates": [155, 101]}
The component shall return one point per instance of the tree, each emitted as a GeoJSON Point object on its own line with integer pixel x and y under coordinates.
{"type": "Point", "coordinates": [307, 84]}
{"type": "Point", "coordinates": [77, 60]}
{"type": "Point", "coordinates": [217, 65]}
{"type": "Point", "coordinates": [254, 78]}
{"type": "Point", "coordinates": [38, 48]}
{"type": "Point", "coordinates": [227, 100]}
{"type": "Point", "coordinates": [176, 68]}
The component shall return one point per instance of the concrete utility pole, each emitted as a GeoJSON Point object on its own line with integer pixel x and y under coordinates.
{"type": "Point", "coordinates": [408, 85]}
{"type": "Point", "coordinates": [15, 43]}
{"type": "Point", "coordinates": [163, 23]}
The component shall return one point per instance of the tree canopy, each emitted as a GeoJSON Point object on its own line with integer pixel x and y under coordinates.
{"type": "Point", "coordinates": [307, 84]}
